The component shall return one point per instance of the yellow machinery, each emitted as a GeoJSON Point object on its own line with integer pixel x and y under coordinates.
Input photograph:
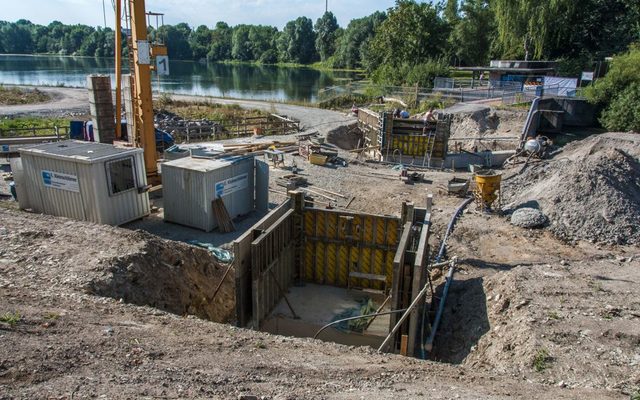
{"type": "Point", "coordinates": [487, 191]}
{"type": "Point", "coordinates": [141, 52]}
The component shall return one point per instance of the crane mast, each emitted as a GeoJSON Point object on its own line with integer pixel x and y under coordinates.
{"type": "Point", "coordinates": [140, 56]}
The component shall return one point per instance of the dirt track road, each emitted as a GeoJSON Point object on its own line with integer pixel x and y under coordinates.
{"type": "Point", "coordinates": [75, 100]}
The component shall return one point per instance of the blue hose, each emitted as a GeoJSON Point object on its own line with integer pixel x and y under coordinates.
{"type": "Point", "coordinates": [441, 252]}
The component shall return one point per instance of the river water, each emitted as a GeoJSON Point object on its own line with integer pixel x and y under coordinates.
{"type": "Point", "coordinates": [186, 77]}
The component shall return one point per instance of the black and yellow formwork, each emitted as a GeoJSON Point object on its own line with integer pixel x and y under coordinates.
{"type": "Point", "coordinates": [298, 244]}
{"type": "Point", "coordinates": [410, 137]}
{"type": "Point", "coordinates": [349, 249]}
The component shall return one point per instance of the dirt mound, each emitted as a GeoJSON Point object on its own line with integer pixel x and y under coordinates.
{"type": "Point", "coordinates": [536, 332]}
{"type": "Point", "coordinates": [508, 343]}
{"type": "Point", "coordinates": [136, 267]}
{"type": "Point", "coordinates": [590, 191]}
{"type": "Point", "coordinates": [487, 124]}
{"type": "Point", "coordinates": [346, 137]}
{"type": "Point", "coordinates": [170, 276]}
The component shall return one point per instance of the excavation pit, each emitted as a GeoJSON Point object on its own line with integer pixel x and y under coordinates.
{"type": "Point", "coordinates": [317, 305]}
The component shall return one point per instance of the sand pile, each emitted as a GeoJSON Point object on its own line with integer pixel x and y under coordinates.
{"type": "Point", "coordinates": [488, 124]}
{"type": "Point", "coordinates": [589, 191]}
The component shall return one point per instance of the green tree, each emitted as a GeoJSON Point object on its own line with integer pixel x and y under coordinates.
{"type": "Point", "coordinates": [354, 41]}
{"type": "Point", "coordinates": [623, 113]}
{"type": "Point", "coordinates": [297, 41]}
{"type": "Point", "coordinates": [176, 38]}
{"type": "Point", "coordinates": [596, 29]}
{"type": "Point", "coordinates": [618, 93]}
{"type": "Point", "coordinates": [262, 39]}
{"type": "Point", "coordinates": [471, 35]}
{"type": "Point", "coordinates": [200, 40]}
{"type": "Point", "coordinates": [220, 47]}
{"type": "Point", "coordinates": [451, 12]}
{"type": "Point", "coordinates": [326, 27]}
{"type": "Point", "coordinates": [413, 33]}
{"type": "Point", "coordinates": [525, 26]}
{"type": "Point", "coordinates": [16, 38]}
{"type": "Point", "coordinates": [241, 48]}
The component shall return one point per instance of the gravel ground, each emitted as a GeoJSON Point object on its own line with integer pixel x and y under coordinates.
{"type": "Point", "coordinates": [120, 350]}
{"type": "Point", "coordinates": [590, 190]}
{"type": "Point", "coordinates": [527, 313]}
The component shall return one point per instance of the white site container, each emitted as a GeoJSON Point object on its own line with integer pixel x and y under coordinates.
{"type": "Point", "coordinates": [85, 181]}
{"type": "Point", "coordinates": [189, 186]}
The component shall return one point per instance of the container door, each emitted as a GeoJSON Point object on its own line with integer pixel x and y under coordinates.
{"type": "Point", "coordinates": [262, 186]}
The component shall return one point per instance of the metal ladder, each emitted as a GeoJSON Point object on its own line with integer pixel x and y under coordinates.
{"type": "Point", "coordinates": [428, 151]}
{"type": "Point", "coordinates": [381, 123]}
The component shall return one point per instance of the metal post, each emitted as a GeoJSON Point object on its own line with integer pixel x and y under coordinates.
{"type": "Point", "coordinates": [143, 101]}
{"type": "Point", "coordinates": [404, 317]}
{"type": "Point", "coordinates": [118, 61]}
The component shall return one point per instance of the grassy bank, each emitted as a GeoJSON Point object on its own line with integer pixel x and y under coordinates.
{"type": "Point", "coordinates": [222, 113]}
{"type": "Point", "coordinates": [10, 96]}
{"type": "Point", "coordinates": [15, 126]}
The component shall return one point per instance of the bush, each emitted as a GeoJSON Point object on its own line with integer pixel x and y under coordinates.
{"type": "Point", "coordinates": [408, 75]}
{"type": "Point", "coordinates": [618, 92]}
{"type": "Point", "coordinates": [623, 113]}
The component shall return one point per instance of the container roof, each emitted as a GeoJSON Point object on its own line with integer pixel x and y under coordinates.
{"type": "Point", "coordinates": [204, 164]}
{"type": "Point", "coordinates": [75, 150]}
{"type": "Point", "coordinates": [508, 70]}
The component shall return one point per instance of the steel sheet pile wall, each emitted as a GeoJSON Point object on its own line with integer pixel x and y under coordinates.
{"type": "Point", "coordinates": [338, 243]}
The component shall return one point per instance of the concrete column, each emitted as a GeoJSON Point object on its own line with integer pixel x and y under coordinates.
{"type": "Point", "coordinates": [101, 105]}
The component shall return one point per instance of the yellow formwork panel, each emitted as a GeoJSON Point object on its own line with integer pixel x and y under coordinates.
{"type": "Point", "coordinates": [410, 145]}
{"type": "Point", "coordinates": [343, 265]}
{"type": "Point", "coordinates": [319, 262]}
{"type": "Point", "coordinates": [331, 252]}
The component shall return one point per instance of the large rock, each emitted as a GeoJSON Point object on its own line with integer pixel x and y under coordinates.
{"type": "Point", "coordinates": [528, 218]}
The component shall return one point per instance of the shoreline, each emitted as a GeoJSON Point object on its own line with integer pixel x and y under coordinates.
{"type": "Point", "coordinates": [315, 66]}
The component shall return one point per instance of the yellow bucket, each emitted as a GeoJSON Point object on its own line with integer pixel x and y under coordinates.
{"type": "Point", "coordinates": [488, 183]}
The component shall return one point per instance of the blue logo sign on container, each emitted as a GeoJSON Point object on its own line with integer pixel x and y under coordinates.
{"type": "Point", "coordinates": [58, 180]}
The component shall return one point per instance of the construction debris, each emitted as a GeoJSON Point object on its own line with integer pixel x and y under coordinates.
{"type": "Point", "coordinates": [291, 181]}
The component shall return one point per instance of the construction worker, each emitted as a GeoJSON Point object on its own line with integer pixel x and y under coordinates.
{"type": "Point", "coordinates": [430, 116]}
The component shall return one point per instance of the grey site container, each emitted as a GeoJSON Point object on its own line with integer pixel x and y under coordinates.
{"type": "Point", "coordinates": [85, 181]}
{"type": "Point", "coordinates": [191, 184]}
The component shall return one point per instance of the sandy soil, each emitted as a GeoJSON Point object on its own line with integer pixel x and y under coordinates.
{"type": "Point", "coordinates": [100, 315]}
{"type": "Point", "coordinates": [120, 350]}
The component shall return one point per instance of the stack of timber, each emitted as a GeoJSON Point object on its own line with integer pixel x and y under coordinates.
{"type": "Point", "coordinates": [225, 224]}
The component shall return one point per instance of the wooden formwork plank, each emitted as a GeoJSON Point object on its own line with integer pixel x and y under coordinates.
{"type": "Point", "coordinates": [398, 266]}
{"type": "Point", "coordinates": [419, 272]}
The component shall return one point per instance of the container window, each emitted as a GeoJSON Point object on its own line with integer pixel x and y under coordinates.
{"type": "Point", "coordinates": [121, 175]}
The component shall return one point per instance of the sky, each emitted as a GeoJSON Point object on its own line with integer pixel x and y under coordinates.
{"type": "Point", "coordinates": [194, 12]}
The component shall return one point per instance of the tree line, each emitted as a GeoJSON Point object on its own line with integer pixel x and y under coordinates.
{"type": "Point", "coordinates": [407, 44]}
